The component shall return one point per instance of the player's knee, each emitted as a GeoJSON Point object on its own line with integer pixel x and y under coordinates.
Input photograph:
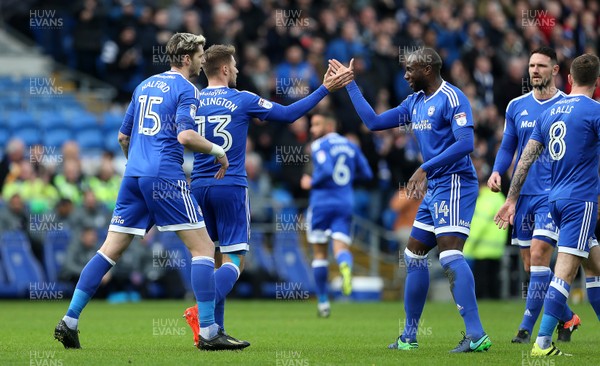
{"type": "Point", "coordinates": [540, 252]}
{"type": "Point", "coordinates": [320, 251]}
{"type": "Point", "coordinates": [418, 247]}
{"type": "Point", "coordinates": [451, 241]}
{"type": "Point", "coordinates": [237, 259]}
{"type": "Point", "coordinates": [590, 268]}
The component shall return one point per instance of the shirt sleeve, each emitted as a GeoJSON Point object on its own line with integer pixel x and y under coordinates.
{"type": "Point", "coordinates": [460, 112]}
{"type": "Point", "coordinates": [187, 107]}
{"type": "Point", "coordinates": [127, 124]}
{"type": "Point", "coordinates": [464, 145]}
{"type": "Point", "coordinates": [461, 118]}
{"type": "Point", "coordinates": [394, 117]}
{"type": "Point", "coordinates": [537, 130]}
{"type": "Point", "coordinates": [267, 110]}
{"type": "Point", "coordinates": [508, 146]}
{"type": "Point", "coordinates": [363, 171]}
{"type": "Point", "coordinates": [322, 165]}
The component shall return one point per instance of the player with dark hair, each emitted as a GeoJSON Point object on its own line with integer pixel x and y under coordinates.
{"type": "Point", "coordinates": [336, 164]}
{"type": "Point", "coordinates": [570, 131]}
{"type": "Point", "coordinates": [158, 124]}
{"type": "Point", "coordinates": [223, 118]}
{"type": "Point", "coordinates": [440, 116]}
{"type": "Point", "coordinates": [534, 230]}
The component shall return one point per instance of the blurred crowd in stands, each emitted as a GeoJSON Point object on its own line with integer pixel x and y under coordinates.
{"type": "Point", "coordinates": [282, 50]}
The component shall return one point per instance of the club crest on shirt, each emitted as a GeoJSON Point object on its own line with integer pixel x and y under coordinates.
{"type": "Point", "coordinates": [193, 111]}
{"type": "Point", "coordinates": [461, 118]}
{"type": "Point", "coordinates": [321, 156]}
{"type": "Point", "coordinates": [430, 111]}
{"type": "Point", "coordinates": [265, 103]}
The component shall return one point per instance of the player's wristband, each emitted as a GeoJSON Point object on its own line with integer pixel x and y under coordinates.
{"type": "Point", "coordinates": [217, 151]}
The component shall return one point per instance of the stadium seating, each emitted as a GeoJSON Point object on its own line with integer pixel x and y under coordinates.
{"type": "Point", "coordinates": [4, 136]}
{"type": "Point", "coordinates": [30, 135]}
{"type": "Point", "coordinates": [290, 261]}
{"type": "Point", "coordinates": [22, 269]}
{"type": "Point", "coordinates": [17, 121]}
{"type": "Point", "coordinates": [177, 256]}
{"type": "Point", "coordinates": [264, 258]}
{"type": "Point", "coordinates": [7, 290]}
{"type": "Point", "coordinates": [57, 137]}
{"type": "Point", "coordinates": [55, 252]}
{"type": "Point", "coordinates": [111, 142]}
{"type": "Point", "coordinates": [90, 139]}
{"type": "Point", "coordinates": [112, 122]}
{"type": "Point", "coordinates": [53, 121]}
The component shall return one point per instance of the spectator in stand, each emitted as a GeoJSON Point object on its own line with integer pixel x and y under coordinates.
{"type": "Point", "coordinates": [512, 85]}
{"type": "Point", "coordinates": [259, 188]}
{"type": "Point", "coordinates": [88, 34]}
{"type": "Point", "coordinates": [15, 216]}
{"type": "Point", "coordinates": [10, 165]}
{"type": "Point", "coordinates": [36, 190]}
{"type": "Point", "coordinates": [295, 78]}
{"type": "Point", "coordinates": [348, 45]}
{"type": "Point", "coordinates": [105, 185]}
{"type": "Point", "coordinates": [406, 210]}
{"type": "Point", "coordinates": [91, 213]}
{"type": "Point", "coordinates": [69, 182]}
{"type": "Point", "coordinates": [484, 81]}
{"type": "Point", "coordinates": [125, 68]}
{"type": "Point", "coordinates": [81, 249]}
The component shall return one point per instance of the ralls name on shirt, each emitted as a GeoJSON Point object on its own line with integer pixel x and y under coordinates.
{"type": "Point", "coordinates": [164, 87]}
{"type": "Point", "coordinates": [526, 124]}
{"type": "Point", "coordinates": [423, 125]}
{"type": "Point", "coordinates": [341, 149]}
{"type": "Point", "coordinates": [222, 102]}
{"type": "Point", "coordinates": [561, 109]}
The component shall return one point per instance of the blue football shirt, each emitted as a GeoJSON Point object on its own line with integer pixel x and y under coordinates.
{"type": "Point", "coordinates": [521, 117]}
{"type": "Point", "coordinates": [161, 107]}
{"type": "Point", "coordinates": [223, 118]}
{"type": "Point", "coordinates": [337, 163]}
{"type": "Point", "coordinates": [434, 120]}
{"type": "Point", "coordinates": [570, 130]}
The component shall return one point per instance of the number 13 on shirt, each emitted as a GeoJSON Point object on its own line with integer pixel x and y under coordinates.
{"type": "Point", "coordinates": [220, 130]}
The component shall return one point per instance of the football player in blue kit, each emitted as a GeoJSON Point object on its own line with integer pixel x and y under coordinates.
{"type": "Point", "coordinates": [534, 230]}
{"type": "Point", "coordinates": [570, 131]}
{"type": "Point", "coordinates": [158, 124]}
{"type": "Point", "coordinates": [223, 118]}
{"type": "Point", "coordinates": [441, 118]}
{"type": "Point", "coordinates": [336, 164]}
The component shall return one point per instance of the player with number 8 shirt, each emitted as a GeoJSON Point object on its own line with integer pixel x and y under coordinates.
{"type": "Point", "coordinates": [570, 131]}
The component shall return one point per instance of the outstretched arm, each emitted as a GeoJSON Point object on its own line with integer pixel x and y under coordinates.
{"type": "Point", "coordinates": [290, 113]}
{"type": "Point", "coordinates": [375, 122]}
{"type": "Point", "coordinates": [389, 119]}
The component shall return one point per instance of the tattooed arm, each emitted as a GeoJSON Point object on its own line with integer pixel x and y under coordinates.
{"type": "Point", "coordinates": [532, 151]}
{"type": "Point", "coordinates": [506, 214]}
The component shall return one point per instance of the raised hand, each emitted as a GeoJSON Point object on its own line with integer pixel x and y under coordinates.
{"type": "Point", "coordinates": [338, 77]}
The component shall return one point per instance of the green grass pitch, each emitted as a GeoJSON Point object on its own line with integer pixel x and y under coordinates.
{"type": "Point", "coordinates": [282, 333]}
